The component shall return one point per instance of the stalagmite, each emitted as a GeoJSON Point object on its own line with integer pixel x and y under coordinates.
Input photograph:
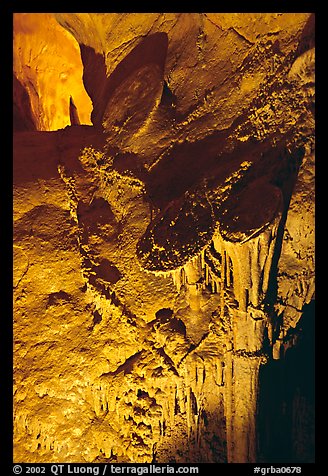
{"type": "Point", "coordinates": [73, 113]}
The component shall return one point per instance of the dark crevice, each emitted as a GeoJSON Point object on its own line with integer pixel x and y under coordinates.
{"type": "Point", "coordinates": [127, 366]}
{"type": "Point", "coordinates": [184, 166]}
{"type": "Point", "coordinates": [107, 272]}
{"type": "Point", "coordinates": [164, 315]}
{"type": "Point", "coordinates": [285, 420]}
{"type": "Point", "coordinates": [23, 118]}
{"type": "Point", "coordinates": [167, 359]}
{"type": "Point", "coordinates": [97, 317]}
{"type": "Point", "coordinates": [58, 298]}
{"type": "Point", "coordinates": [286, 179]}
{"type": "Point", "coordinates": [168, 98]}
{"type": "Point", "coordinates": [307, 40]}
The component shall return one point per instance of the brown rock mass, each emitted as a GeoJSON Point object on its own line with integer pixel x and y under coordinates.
{"type": "Point", "coordinates": [163, 237]}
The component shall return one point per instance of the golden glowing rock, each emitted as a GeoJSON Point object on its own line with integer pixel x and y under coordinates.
{"type": "Point", "coordinates": [163, 234]}
{"type": "Point", "coordinates": [48, 64]}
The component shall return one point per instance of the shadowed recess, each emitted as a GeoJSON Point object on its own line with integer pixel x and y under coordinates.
{"type": "Point", "coordinates": [179, 232]}
{"type": "Point", "coordinates": [123, 101]}
{"type": "Point", "coordinates": [107, 271]}
{"type": "Point", "coordinates": [242, 209]}
{"type": "Point", "coordinates": [23, 119]}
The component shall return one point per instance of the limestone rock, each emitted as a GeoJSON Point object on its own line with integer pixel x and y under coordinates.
{"type": "Point", "coordinates": [48, 65]}
{"type": "Point", "coordinates": [164, 243]}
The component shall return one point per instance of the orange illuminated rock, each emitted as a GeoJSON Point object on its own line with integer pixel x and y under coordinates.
{"type": "Point", "coordinates": [164, 254]}
{"type": "Point", "coordinates": [48, 64]}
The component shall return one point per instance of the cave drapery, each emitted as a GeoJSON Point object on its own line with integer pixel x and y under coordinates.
{"type": "Point", "coordinates": [163, 237]}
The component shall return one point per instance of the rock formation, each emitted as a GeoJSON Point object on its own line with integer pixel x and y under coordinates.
{"type": "Point", "coordinates": [164, 241]}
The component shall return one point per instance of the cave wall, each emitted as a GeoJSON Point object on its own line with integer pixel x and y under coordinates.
{"type": "Point", "coordinates": [164, 242]}
{"type": "Point", "coordinates": [47, 65]}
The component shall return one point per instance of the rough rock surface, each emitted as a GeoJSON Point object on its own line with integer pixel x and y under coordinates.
{"type": "Point", "coordinates": [163, 255]}
{"type": "Point", "coordinates": [48, 68]}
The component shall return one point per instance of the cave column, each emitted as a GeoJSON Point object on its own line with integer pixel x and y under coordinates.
{"type": "Point", "coordinates": [240, 406]}
{"type": "Point", "coordinates": [243, 364]}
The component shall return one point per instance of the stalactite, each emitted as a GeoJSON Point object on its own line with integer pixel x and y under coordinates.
{"type": "Point", "coordinates": [242, 268]}
{"type": "Point", "coordinates": [132, 377]}
{"type": "Point", "coordinates": [251, 264]}
{"type": "Point", "coordinates": [255, 275]}
{"type": "Point", "coordinates": [268, 262]}
{"type": "Point", "coordinates": [220, 266]}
